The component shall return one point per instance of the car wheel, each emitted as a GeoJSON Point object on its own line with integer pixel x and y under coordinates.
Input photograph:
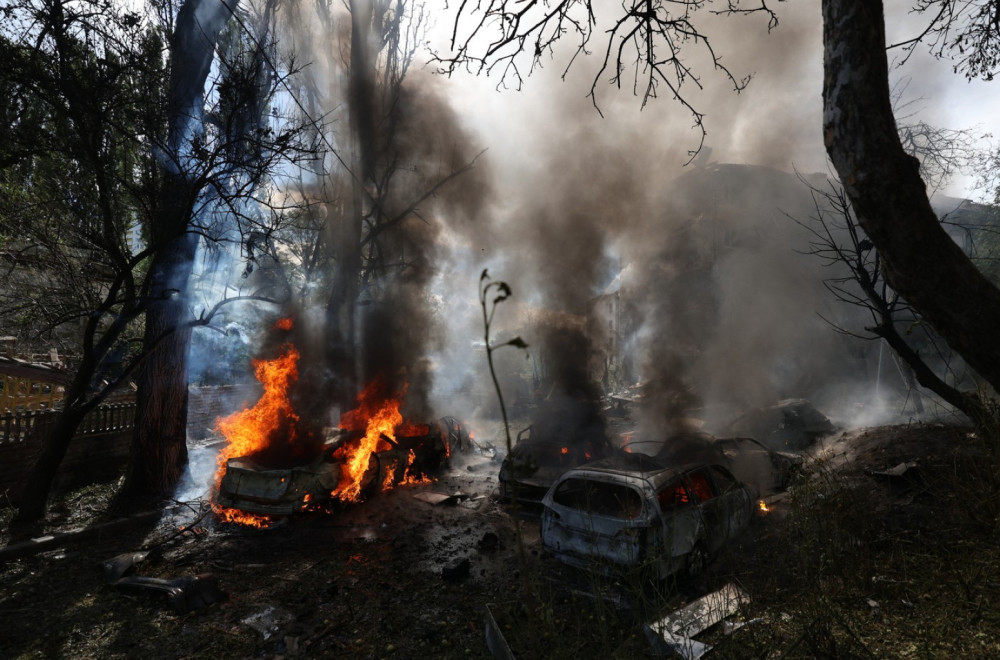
{"type": "Point", "coordinates": [697, 560]}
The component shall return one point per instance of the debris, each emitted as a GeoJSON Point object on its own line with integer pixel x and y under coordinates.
{"type": "Point", "coordinates": [672, 634]}
{"type": "Point", "coordinates": [434, 498]}
{"type": "Point", "coordinates": [906, 471]}
{"type": "Point", "coordinates": [119, 565]}
{"type": "Point", "coordinates": [495, 641]}
{"type": "Point", "coordinates": [456, 571]}
{"type": "Point", "coordinates": [729, 627]}
{"type": "Point", "coordinates": [185, 594]}
{"type": "Point", "coordinates": [268, 621]}
{"type": "Point", "coordinates": [53, 541]}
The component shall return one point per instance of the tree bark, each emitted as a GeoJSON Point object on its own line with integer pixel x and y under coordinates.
{"type": "Point", "coordinates": [920, 261]}
{"type": "Point", "coordinates": [341, 317]}
{"type": "Point", "coordinates": [159, 446]}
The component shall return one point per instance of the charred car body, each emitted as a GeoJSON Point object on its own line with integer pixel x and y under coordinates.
{"type": "Point", "coordinates": [635, 511]}
{"type": "Point", "coordinates": [535, 462]}
{"type": "Point", "coordinates": [249, 486]}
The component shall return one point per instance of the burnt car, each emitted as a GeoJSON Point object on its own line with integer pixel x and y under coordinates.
{"type": "Point", "coordinates": [534, 462]}
{"type": "Point", "coordinates": [763, 469]}
{"type": "Point", "coordinates": [789, 425]}
{"type": "Point", "coordinates": [637, 512]}
{"type": "Point", "coordinates": [249, 486]}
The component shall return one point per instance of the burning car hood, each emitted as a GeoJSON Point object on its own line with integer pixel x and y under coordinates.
{"type": "Point", "coordinates": [250, 487]}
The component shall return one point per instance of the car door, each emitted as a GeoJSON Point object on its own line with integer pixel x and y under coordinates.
{"type": "Point", "coordinates": [681, 518]}
{"type": "Point", "coordinates": [713, 509]}
{"type": "Point", "coordinates": [738, 504]}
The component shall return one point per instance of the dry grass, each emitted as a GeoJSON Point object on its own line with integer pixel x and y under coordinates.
{"type": "Point", "coordinates": [850, 566]}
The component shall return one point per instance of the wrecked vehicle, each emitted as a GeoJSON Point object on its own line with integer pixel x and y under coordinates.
{"type": "Point", "coordinates": [767, 471]}
{"type": "Point", "coordinates": [638, 512]}
{"type": "Point", "coordinates": [534, 463]}
{"type": "Point", "coordinates": [253, 488]}
{"type": "Point", "coordinates": [763, 469]}
{"type": "Point", "coordinates": [789, 425]}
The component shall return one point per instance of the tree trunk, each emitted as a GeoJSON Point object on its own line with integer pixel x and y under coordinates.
{"type": "Point", "coordinates": [159, 446]}
{"type": "Point", "coordinates": [920, 261]}
{"type": "Point", "coordinates": [34, 497]}
{"type": "Point", "coordinates": [341, 317]}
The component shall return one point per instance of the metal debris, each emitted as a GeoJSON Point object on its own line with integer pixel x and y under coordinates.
{"type": "Point", "coordinates": [185, 594]}
{"type": "Point", "coordinates": [119, 565]}
{"type": "Point", "coordinates": [268, 621]}
{"type": "Point", "coordinates": [672, 635]}
{"type": "Point", "coordinates": [495, 641]}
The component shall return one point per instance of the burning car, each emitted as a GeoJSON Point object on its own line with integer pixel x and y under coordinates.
{"type": "Point", "coordinates": [634, 511]}
{"type": "Point", "coordinates": [534, 463]}
{"type": "Point", "coordinates": [249, 487]}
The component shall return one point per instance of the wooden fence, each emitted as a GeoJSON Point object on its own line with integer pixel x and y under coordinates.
{"type": "Point", "coordinates": [98, 450]}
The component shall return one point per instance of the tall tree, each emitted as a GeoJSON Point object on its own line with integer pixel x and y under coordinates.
{"type": "Point", "coordinates": [919, 260]}
{"type": "Point", "coordinates": [211, 169]}
{"type": "Point", "coordinates": [75, 179]}
{"type": "Point", "coordinates": [395, 170]}
{"type": "Point", "coordinates": [93, 76]}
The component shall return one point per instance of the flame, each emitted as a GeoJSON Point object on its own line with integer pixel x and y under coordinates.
{"type": "Point", "coordinates": [763, 508]}
{"type": "Point", "coordinates": [249, 431]}
{"type": "Point", "coordinates": [241, 517]}
{"type": "Point", "coordinates": [283, 324]}
{"type": "Point", "coordinates": [378, 418]}
{"type": "Point", "coordinates": [410, 479]}
{"type": "Point", "coordinates": [390, 478]}
{"type": "Point", "coordinates": [564, 451]}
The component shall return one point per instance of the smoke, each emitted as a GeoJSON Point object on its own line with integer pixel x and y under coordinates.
{"type": "Point", "coordinates": [627, 268]}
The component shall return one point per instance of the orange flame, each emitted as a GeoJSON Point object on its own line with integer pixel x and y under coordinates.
{"type": "Point", "coordinates": [762, 506]}
{"type": "Point", "coordinates": [564, 451]}
{"type": "Point", "coordinates": [410, 479]}
{"type": "Point", "coordinates": [249, 430]}
{"type": "Point", "coordinates": [378, 418]}
{"type": "Point", "coordinates": [241, 517]}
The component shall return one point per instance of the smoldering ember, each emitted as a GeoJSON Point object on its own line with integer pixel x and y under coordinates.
{"type": "Point", "coordinates": [512, 329]}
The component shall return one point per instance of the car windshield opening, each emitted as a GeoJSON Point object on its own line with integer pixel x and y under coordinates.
{"type": "Point", "coordinates": [598, 497]}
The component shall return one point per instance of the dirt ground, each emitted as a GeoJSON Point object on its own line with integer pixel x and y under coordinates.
{"type": "Point", "coordinates": [397, 577]}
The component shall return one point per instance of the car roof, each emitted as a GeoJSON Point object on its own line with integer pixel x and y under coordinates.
{"type": "Point", "coordinates": [636, 466]}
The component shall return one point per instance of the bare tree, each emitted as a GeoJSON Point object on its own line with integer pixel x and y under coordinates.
{"type": "Point", "coordinates": [404, 153]}
{"type": "Point", "coordinates": [918, 259]}
{"type": "Point", "coordinates": [837, 241]}
{"type": "Point", "coordinates": [93, 76]}
{"type": "Point", "coordinates": [644, 44]}
{"type": "Point", "coordinates": [211, 171]}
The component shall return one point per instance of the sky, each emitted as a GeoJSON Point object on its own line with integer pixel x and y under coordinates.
{"type": "Point", "coordinates": [776, 121]}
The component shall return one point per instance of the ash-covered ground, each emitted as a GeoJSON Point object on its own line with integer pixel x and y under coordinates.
{"type": "Point", "coordinates": [399, 577]}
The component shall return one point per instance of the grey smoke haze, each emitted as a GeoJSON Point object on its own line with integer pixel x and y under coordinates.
{"type": "Point", "coordinates": [721, 310]}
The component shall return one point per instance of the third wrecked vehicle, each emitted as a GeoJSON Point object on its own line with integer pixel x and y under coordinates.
{"type": "Point", "coordinates": [635, 511]}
